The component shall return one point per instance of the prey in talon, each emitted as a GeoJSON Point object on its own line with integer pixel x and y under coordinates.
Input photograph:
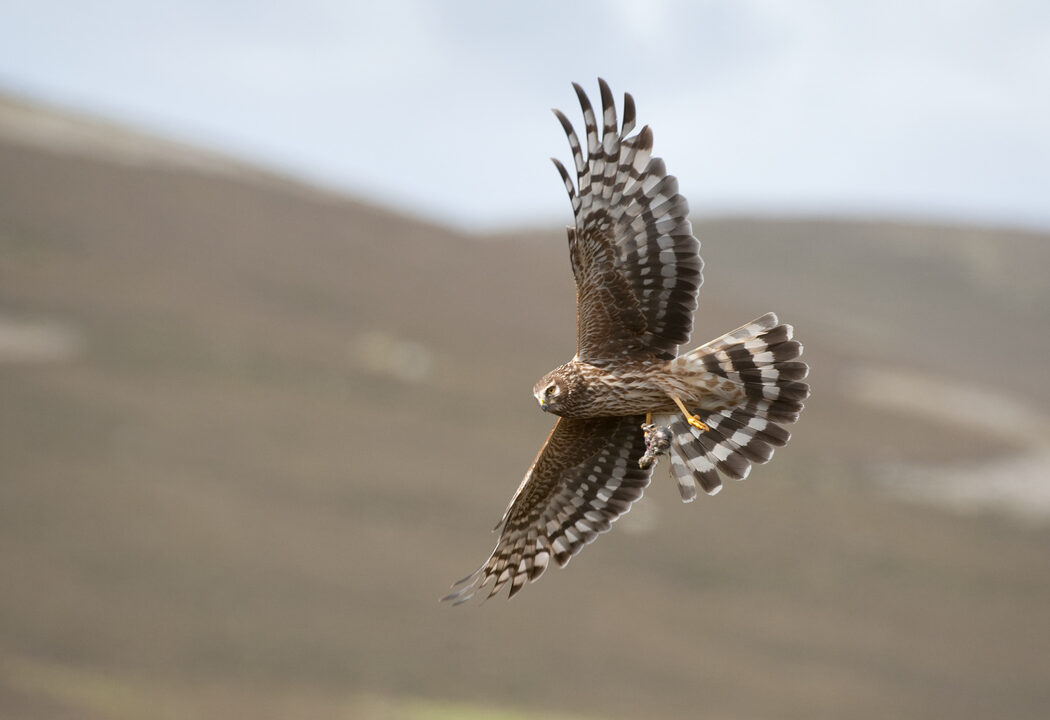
{"type": "Point", "coordinates": [657, 442]}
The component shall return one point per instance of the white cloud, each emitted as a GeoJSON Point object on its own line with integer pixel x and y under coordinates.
{"type": "Point", "coordinates": [929, 106]}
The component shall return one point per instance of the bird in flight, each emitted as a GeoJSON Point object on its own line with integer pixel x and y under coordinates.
{"type": "Point", "coordinates": [627, 397]}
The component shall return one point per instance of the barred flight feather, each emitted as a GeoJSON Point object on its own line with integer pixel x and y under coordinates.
{"type": "Point", "coordinates": [763, 358]}
{"type": "Point", "coordinates": [624, 198]}
{"type": "Point", "coordinates": [585, 477]}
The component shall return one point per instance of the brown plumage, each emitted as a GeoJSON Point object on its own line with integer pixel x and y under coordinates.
{"type": "Point", "coordinates": [638, 270]}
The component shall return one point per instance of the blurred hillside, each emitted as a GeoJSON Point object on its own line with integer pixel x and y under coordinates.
{"type": "Point", "coordinates": [250, 431]}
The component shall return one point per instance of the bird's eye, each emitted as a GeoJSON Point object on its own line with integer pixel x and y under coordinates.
{"type": "Point", "coordinates": [550, 389]}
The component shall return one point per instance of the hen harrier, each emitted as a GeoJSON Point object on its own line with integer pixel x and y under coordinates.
{"type": "Point", "coordinates": [628, 396]}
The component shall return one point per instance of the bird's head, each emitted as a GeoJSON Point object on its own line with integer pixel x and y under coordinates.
{"type": "Point", "coordinates": [550, 392]}
{"type": "Point", "coordinates": [561, 391]}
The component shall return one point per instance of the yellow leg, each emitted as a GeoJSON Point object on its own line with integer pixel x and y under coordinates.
{"type": "Point", "coordinates": [690, 418]}
{"type": "Point", "coordinates": [649, 418]}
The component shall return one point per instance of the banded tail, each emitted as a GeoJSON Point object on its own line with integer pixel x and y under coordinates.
{"type": "Point", "coordinates": [762, 357]}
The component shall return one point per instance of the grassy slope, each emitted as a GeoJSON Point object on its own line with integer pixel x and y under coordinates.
{"type": "Point", "coordinates": [220, 504]}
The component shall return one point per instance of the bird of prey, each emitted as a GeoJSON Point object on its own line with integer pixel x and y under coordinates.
{"type": "Point", "coordinates": [628, 397]}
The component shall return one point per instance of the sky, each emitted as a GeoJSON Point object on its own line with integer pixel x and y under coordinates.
{"type": "Point", "coordinates": [922, 109]}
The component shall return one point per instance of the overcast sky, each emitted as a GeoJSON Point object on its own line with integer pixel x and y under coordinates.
{"type": "Point", "coordinates": [930, 109]}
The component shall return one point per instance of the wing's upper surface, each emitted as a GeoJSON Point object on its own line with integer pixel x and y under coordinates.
{"type": "Point", "coordinates": [635, 259]}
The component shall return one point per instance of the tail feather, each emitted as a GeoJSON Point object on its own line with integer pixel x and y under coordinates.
{"type": "Point", "coordinates": [788, 392]}
{"type": "Point", "coordinates": [762, 358]}
{"type": "Point", "coordinates": [726, 455]}
{"type": "Point", "coordinates": [743, 420]}
{"type": "Point", "coordinates": [787, 370]}
{"type": "Point", "coordinates": [742, 437]}
{"type": "Point", "coordinates": [778, 411]}
{"type": "Point", "coordinates": [689, 461]}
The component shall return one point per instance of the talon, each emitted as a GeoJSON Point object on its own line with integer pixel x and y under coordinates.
{"type": "Point", "coordinates": [697, 423]}
{"type": "Point", "coordinates": [690, 418]}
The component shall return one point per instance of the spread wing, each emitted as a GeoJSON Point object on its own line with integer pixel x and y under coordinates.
{"type": "Point", "coordinates": [584, 478]}
{"type": "Point", "coordinates": [635, 259]}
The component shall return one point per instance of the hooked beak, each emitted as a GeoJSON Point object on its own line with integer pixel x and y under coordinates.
{"type": "Point", "coordinates": [543, 404]}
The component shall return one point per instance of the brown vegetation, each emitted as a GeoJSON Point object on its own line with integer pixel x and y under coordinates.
{"type": "Point", "coordinates": [222, 503]}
